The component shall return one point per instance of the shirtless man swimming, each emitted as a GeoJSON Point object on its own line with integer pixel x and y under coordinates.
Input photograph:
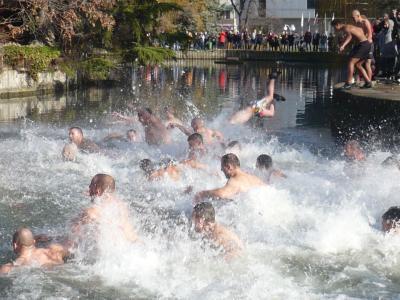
{"type": "Point", "coordinates": [102, 192]}
{"type": "Point", "coordinates": [203, 218]}
{"type": "Point", "coordinates": [264, 163]}
{"type": "Point", "coordinates": [155, 131]}
{"type": "Point", "coordinates": [358, 55]}
{"type": "Point", "coordinates": [262, 108]}
{"type": "Point", "coordinates": [28, 255]}
{"type": "Point", "coordinates": [196, 151]}
{"type": "Point", "coordinates": [76, 137]}
{"type": "Point", "coordinates": [366, 26]}
{"type": "Point", "coordinates": [209, 135]}
{"type": "Point", "coordinates": [238, 180]}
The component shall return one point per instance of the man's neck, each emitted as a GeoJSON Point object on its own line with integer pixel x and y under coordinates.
{"type": "Point", "coordinates": [26, 252]}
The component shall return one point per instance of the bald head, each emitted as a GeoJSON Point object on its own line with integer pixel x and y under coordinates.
{"type": "Point", "coordinates": [197, 123]}
{"type": "Point", "coordinates": [356, 15]}
{"type": "Point", "coordinates": [100, 184]}
{"type": "Point", "coordinates": [23, 237]}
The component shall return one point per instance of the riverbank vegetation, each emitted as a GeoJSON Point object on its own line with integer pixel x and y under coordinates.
{"type": "Point", "coordinates": [90, 32]}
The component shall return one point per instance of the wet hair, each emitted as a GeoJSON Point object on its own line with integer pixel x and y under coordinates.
{"type": "Point", "coordinates": [147, 166]}
{"type": "Point", "coordinates": [23, 237]}
{"type": "Point", "coordinates": [204, 210]}
{"type": "Point", "coordinates": [195, 137]}
{"type": "Point", "coordinates": [148, 110]}
{"type": "Point", "coordinates": [131, 130]}
{"type": "Point", "coordinates": [264, 161]}
{"type": "Point", "coordinates": [76, 128]}
{"type": "Point", "coordinates": [234, 144]}
{"type": "Point", "coordinates": [104, 182]}
{"type": "Point", "coordinates": [336, 22]}
{"type": "Point", "coordinates": [392, 215]}
{"type": "Point", "coordinates": [230, 159]}
{"type": "Point", "coordinates": [391, 161]}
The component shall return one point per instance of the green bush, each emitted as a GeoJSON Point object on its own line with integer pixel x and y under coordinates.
{"type": "Point", "coordinates": [149, 55]}
{"type": "Point", "coordinates": [35, 58]}
{"type": "Point", "coordinates": [97, 68]}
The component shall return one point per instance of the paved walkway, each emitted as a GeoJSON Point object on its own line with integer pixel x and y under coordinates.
{"type": "Point", "coordinates": [380, 91]}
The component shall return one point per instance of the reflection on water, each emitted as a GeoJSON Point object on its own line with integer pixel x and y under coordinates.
{"type": "Point", "coordinates": [191, 90]}
{"type": "Point", "coordinates": [313, 235]}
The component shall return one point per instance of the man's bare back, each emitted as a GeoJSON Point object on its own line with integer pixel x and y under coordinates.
{"type": "Point", "coordinates": [28, 255]}
{"type": "Point", "coordinates": [106, 209]}
{"type": "Point", "coordinates": [355, 32]}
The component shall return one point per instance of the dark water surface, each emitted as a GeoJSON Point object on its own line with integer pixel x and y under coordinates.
{"type": "Point", "coordinates": [314, 235]}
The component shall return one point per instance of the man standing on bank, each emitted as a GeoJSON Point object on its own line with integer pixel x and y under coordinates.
{"type": "Point", "coordinates": [358, 55]}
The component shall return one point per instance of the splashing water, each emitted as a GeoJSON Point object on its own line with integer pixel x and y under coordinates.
{"type": "Point", "coordinates": [313, 235]}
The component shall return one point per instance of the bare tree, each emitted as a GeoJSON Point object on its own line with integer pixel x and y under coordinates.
{"type": "Point", "coordinates": [242, 7]}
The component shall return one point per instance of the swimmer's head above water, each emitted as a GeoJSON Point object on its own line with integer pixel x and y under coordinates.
{"type": "Point", "coordinates": [391, 219]}
{"type": "Point", "coordinates": [22, 238]}
{"type": "Point", "coordinates": [147, 166]}
{"type": "Point", "coordinates": [197, 124]}
{"type": "Point", "coordinates": [144, 115]}
{"type": "Point", "coordinates": [229, 165]}
{"type": "Point", "coordinates": [101, 184]}
{"type": "Point", "coordinates": [76, 135]}
{"type": "Point", "coordinates": [264, 162]}
{"type": "Point", "coordinates": [203, 217]}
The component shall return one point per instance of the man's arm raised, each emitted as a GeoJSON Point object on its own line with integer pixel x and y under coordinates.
{"type": "Point", "coordinates": [182, 128]}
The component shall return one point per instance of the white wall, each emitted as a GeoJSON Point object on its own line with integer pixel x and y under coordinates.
{"type": "Point", "coordinates": [288, 9]}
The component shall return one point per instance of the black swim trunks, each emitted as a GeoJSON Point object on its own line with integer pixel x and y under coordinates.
{"type": "Point", "coordinates": [361, 50]}
{"type": "Point", "coordinates": [371, 51]}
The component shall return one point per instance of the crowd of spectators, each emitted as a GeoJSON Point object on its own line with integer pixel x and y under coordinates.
{"type": "Point", "coordinates": [387, 44]}
{"type": "Point", "coordinates": [261, 41]}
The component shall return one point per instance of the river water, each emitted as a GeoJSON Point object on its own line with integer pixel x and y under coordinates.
{"type": "Point", "coordinates": [315, 235]}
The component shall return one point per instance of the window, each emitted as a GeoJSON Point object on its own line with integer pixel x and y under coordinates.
{"type": "Point", "coordinates": [227, 14]}
{"type": "Point", "coordinates": [262, 8]}
{"type": "Point", "coordinates": [310, 4]}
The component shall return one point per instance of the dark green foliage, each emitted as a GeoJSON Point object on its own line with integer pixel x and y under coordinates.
{"type": "Point", "coordinates": [96, 68]}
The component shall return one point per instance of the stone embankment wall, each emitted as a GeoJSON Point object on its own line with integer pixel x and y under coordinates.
{"type": "Point", "coordinates": [17, 83]}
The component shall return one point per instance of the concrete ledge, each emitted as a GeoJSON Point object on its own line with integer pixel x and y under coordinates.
{"type": "Point", "coordinates": [14, 83]}
{"type": "Point", "coordinates": [262, 55]}
{"type": "Point", "coordinates": [380, 91]}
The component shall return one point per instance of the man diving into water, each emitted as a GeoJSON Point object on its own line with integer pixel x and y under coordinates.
{"type": "Point", "coordinates": [262, 108]}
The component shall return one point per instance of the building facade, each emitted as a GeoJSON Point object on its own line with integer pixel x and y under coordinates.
{"type": "Point", "coordinates": [269, 14]}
